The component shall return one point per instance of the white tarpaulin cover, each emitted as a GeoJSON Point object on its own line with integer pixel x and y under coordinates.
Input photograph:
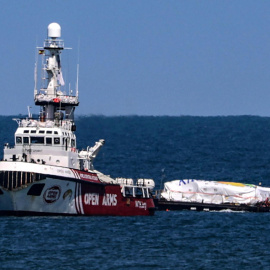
{"type": "Point", "coordinates": [189, 190]}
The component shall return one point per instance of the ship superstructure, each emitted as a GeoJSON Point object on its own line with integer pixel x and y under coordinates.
{"type": "Point", "coordinates": [50, 139]}
{"type": "Point", "coordinates": [45, 173]}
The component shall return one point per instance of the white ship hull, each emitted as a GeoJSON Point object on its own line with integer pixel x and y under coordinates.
{"type": "Point", "coordinates": [53, 195]}
{"type": "Point", "coordinates": [35, 189]}
{"type": "Point", "coordinates": [20, 202]}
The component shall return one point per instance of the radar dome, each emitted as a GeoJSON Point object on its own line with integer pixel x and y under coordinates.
{"type": "Point", "coordinates": [54, 30]}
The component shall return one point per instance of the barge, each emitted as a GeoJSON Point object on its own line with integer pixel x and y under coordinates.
{"type": "Point", "coordinates": [201, 195]}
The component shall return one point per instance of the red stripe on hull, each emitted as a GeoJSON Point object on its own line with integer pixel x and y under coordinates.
{"type": "Point", "coordinates": [86, 176]}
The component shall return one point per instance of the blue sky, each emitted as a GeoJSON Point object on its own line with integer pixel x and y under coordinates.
{"type": "Point", "coordinates": [144, 57]}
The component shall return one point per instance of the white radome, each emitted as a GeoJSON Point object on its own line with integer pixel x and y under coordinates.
{"type": "Point", "coordinates": [54, 30]}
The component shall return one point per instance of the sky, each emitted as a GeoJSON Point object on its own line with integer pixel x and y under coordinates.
{"type": "Point", "coordinates": [199, 58]}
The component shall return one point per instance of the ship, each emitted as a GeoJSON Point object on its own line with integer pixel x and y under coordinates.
{"type": "Point", "coordinates": [44, 173]}
{"type": "Point", "coordinates": [206, 195]}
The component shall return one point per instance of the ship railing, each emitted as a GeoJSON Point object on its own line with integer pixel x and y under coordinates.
{"type": "Point", "coordinates": [53, 43]}
{"type": "Point", "coordinates": [136, 191]}
{"type": "Point", "coordinates": [141, 189]}
{"type": "Point", "coordinates": [66, 124]}
{"type": "Point", "coordinates": [59, 98]}
{"type": "Point", "coordinates": [141, 182]}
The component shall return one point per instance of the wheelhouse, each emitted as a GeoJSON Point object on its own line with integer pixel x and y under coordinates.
{"type": "Point", "coordinates": [45, 137]}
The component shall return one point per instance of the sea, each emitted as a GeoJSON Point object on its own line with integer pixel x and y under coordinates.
{"type": "Point", "coordinates": [164, 148]}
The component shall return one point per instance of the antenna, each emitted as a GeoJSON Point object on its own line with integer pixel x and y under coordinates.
{"type": "Point", "coordinates": [35, 71]}
{"type": "Point", "coordinates": [162, 177]}
{"type": "Point", "coordinates": [77, 83]}
{"type": "Point", "coordinates": [35, 79]}
{"type": "Point", "coordinates": [29, 113]}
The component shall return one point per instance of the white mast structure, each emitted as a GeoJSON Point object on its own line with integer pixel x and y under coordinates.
{"type": "Point", "coordinates": [54, 102]}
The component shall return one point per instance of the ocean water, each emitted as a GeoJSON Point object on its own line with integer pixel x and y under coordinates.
{"type": "Point", "coordinates": [162, 148]}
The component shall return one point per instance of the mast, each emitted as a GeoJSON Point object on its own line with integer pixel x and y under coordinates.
{"type": "Point", "coordinates": [55, 105]}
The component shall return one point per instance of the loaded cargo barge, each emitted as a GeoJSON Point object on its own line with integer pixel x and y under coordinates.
{"type": "Point", "coordinates": [164, 205]}
{"type": "Point", "coordinates": [201, 195]}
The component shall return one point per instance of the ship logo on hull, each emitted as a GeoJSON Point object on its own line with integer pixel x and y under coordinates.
{"type": "Point", "coordinates": [52, 194]}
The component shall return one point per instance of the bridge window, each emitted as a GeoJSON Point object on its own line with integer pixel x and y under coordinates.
{"type": "Point", "coordinates": [73, 143]}
{"type": "Point", "coordinates": [49, 132]}
{"type": "Point", "coordinates": [37, 140]}
{"type": "Point", "coordinates": [56, 132]}
{"type": "Point", "coordinates": [26, 131]}
{"type": "Point", "coordinates": [48, 141]}
{"type": "Point", "coordinates": [33, 131]}
{"type": "Point", "coordinates": [41, 131]}
{"type": "Point", "coordinates": [18, 140]}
